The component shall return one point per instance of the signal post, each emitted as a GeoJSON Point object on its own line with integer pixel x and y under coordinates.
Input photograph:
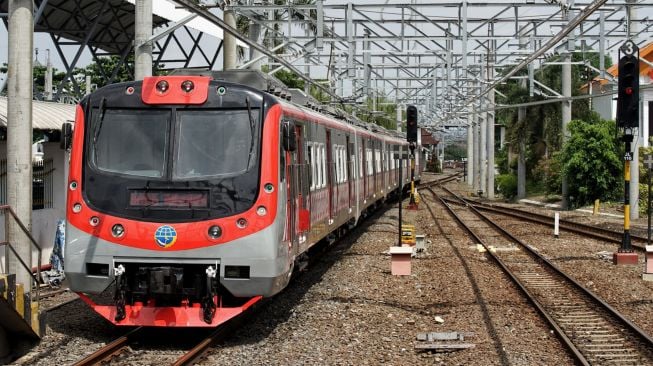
{"type": "Point", "coordinates": [411, 136]}
{"type": "Point", "coordinates": [628, 121]}
{"type": "Point", "coordinates": [400, 255]}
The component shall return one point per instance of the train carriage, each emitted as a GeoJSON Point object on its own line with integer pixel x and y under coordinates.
{"type": "Point", "coordinates": [195, 195]}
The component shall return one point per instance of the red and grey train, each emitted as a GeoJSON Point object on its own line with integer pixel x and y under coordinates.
{"type": "Point", "coordinates": [192, 197]}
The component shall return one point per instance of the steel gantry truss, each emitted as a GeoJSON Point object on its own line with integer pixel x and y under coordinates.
{"type": "Point", "coordinates": [106, 28]}
{"type": "Point", "coordinates": [434, 54]}
{"type": "Point", "coordinates": [445, 57]}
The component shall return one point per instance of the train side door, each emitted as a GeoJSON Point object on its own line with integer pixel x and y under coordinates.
{"type": "Point", "coordinates": [297, 188]}
{"type": "Point", "coordinates": [330, 175]}
{"type": "Point", "coordinates": [351, 172]}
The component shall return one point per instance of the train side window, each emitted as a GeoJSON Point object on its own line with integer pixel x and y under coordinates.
{"type": "Point", "coordinates": [360, 162]}
{"type": "Point", "coordinates": [343, 163]}
{"type": "Point", "coordinates": [318, 166]}
{"type": "Point", "coordinates": [336, 160]}
{"type": "Point", "coordinates": [311, 161]}
{"type": "Point", "coordinates": [324, 172]}
{"type": "Point", "coordinates": [369, 162]}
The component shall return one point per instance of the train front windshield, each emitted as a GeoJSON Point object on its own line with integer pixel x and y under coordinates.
{"type": "Point", "coordinates": [201, 163]}
{"type": "Point", "coordinates": [206, 144]}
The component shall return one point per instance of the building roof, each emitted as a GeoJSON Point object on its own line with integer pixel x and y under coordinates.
{"type": "Point", "coordinates": [645, 52]}
{"type": "Point", "coordinates": [114, 21]}
{"type": "Point", "coordinates": [45, 115]}
{"type": "Point", "coordinates": [427, 138]}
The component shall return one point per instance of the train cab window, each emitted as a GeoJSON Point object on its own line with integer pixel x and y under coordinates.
{"type": "Point", "coordinates": [214, 143]}
{"type": "Point", "coordinates": [130, 142]}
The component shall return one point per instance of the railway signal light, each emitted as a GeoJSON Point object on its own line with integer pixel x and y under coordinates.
{"type": "Point", "coordinates": [628, 92]}
{"type": "Point", "coordinates": [411, 123]}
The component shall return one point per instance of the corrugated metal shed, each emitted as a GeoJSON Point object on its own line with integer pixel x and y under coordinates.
{"type": "Point", "coordinates": [45, 115]}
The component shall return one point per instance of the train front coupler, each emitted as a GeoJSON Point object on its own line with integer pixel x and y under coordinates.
{"type": "Point", "coordinates": [208, 304]}
{"type": "Point", "coordinates": [119, 296]}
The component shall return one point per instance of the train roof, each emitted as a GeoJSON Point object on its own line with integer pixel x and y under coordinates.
{"type": "Point", "coordinates": [296, 97]}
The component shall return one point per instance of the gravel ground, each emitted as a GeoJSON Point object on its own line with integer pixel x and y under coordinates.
{"type": "Point", "coordinates": [347, 309]}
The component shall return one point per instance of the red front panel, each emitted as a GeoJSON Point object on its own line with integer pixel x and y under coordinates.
{"type": "Point", "coordinates": [192, 235]}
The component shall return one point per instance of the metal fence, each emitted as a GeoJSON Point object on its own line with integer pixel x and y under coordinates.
{"type": "Point", "coordinates": [42, 187]}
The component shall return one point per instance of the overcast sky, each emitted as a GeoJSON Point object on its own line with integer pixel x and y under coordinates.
{"type": "Point", "coordinates": [42, 41]}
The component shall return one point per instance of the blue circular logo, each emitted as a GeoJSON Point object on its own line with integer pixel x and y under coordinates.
{"type": "Point", "coordinates": [165, 236]}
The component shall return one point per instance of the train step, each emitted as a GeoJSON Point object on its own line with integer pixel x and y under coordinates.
{"type": "Point", "coordinates": [21, 325]}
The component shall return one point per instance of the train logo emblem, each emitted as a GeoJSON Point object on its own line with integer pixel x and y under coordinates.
{"type": "Point", "coordinates": [165, 236]}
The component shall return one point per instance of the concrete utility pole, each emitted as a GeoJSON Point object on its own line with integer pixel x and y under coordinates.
{"type": "Point", "coordinates": [255, 36]}
{"type": "Point", "coordinates": [48, 79]}
{"type": "Point", "coordinates": [399, 109]}
{"type": "Point", "coordinates": [477, 156]}
{"type": "Point", "coordinates": [470, 150]}
{"type": "Point", "coordinates": [229, 42]}
{"type": "Point", "coordinates": [566, 106]}
{"type": "Point", "coordinates": [490, 126]}
{"type": "Point", "coordinates": [521, 143]}
{"type": "Point", "coordinates": [19, 136]}
{"type": "Point", "coordinates": [143, 32]}
{"type": "Point", "coordinates": [483, 138]}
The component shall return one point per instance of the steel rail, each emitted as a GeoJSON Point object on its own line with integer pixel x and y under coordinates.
{"type": "Point", "coordinates": [575, 227]}
{"type": "Point", "coordinates": [109, 350]}
{"type": "Point", "coordinates": [531, 298]}
{"type": "Point", "coordinates": [190, 357]}
{"type": "Point", "coordinates": [643, 336]}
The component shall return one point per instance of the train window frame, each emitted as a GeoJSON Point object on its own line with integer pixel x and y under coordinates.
{"type": "Point", "coordinates": [309, 156]}
{"type": "Point", "coordinates": [323, 176]}
{"type": "Point", "coordinates": [91, 145]}
{"type": "Point", "coordinates": [318, 167]}
{"type": "Point", "coordinates": [253, 163]}
{"type": "Point", "coordinates": [368, 155]}
{"type": "Point", "coordinates": [344, 163]}
{"type": "Point", "coordinates": [360, 163]}
{"type": "Point", "coordinates": [336, 161]}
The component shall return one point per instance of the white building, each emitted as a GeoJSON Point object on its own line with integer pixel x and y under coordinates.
{"type": "Point", "coordinates": [50, 172]}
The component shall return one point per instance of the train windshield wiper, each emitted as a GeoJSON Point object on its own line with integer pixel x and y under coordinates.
{"type": "Point", "coordinates": [252, 125]}
{"type": "Point", "coordinates": [98, 126]}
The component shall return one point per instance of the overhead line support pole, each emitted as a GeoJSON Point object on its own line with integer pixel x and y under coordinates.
{"type": "Point", "coordinates": [142, 33]}
{"type": "Point", "coordinates": [204, 13]}
{"type": "Point", "coordinates": [19, 136]}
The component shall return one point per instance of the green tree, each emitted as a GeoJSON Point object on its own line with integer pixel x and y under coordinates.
{"type": "Point", "coordinates": [591, 161]}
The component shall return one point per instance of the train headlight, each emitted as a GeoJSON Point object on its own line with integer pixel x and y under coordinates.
{"type": "Point", "coordinates": [215, 232]}
{"type": "Point", "coordinates": [117, 231]}
{"type": "Point", "coordinates": [162, 86]}
{"type": "Point", "coordinates": [187, 86]}
{"type": "Point", "coordinates": [261, 211]}
{"type": "Point", "coordinates": [77, 207]}
{"type": "Point", "coordinates": [241, 223]}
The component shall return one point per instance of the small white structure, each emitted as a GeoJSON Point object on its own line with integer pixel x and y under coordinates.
{"type": "Point", "coordinates": [49, 174]}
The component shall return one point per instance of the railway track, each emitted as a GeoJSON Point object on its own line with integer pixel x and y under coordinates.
{"type": "Point", "coordinates": [111, 349]}
{"type": "Point", "coordinates": [593, 331]}
{"type": "Point", "coordinates": [571, 226]}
